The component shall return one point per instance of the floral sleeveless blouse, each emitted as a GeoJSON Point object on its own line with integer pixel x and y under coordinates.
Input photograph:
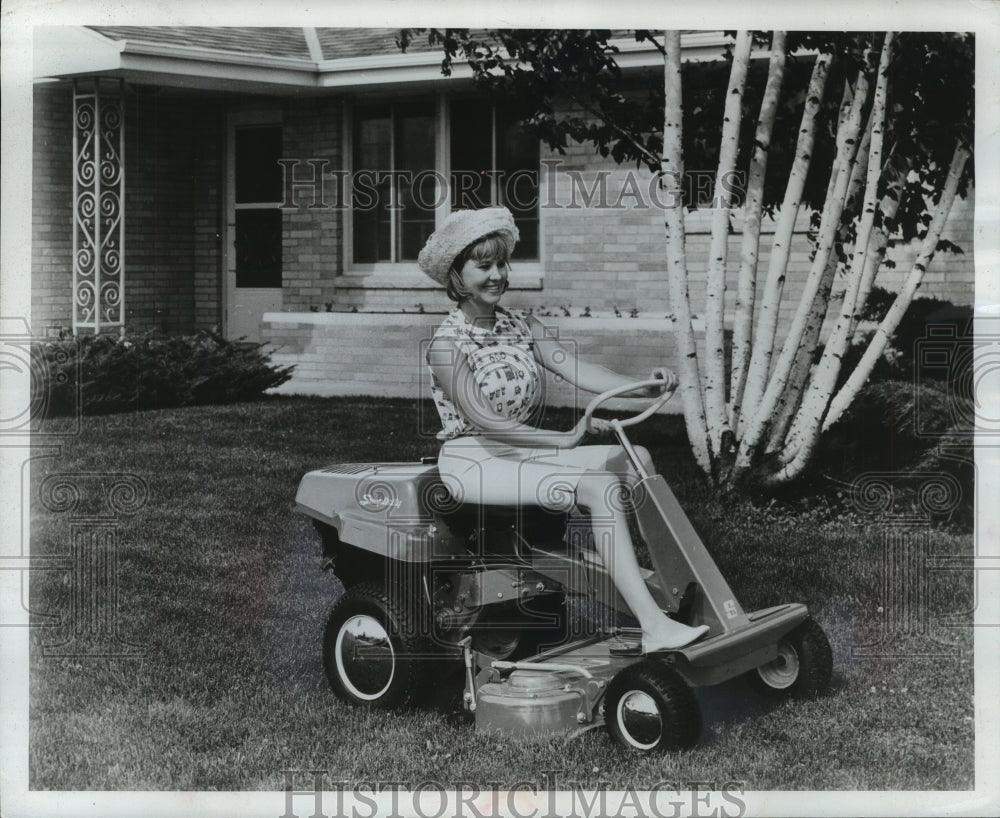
{"type": "Point", "coordinates": [503, 366]}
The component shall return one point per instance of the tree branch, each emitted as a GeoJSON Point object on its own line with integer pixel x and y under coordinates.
{"type": "Point", "coordinates": [651, 158]}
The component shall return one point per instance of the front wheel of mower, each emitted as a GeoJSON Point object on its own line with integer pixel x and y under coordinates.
{"type": "Point", "coordinates": [802, 667]}
{"type": "Point", "coordinates": [374, 652]}
{"type": "Point", "coordinates": [649, 708]}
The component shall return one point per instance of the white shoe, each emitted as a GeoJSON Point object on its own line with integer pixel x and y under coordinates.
{"type": "Point", "coordinates": [671, 636]}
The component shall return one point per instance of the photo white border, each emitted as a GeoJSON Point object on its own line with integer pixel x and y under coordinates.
{"type": "Point", "coordinates": [18, 18]}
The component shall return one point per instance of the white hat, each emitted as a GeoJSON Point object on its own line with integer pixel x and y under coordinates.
{"type": "Point", "coordinates": [460, 229]}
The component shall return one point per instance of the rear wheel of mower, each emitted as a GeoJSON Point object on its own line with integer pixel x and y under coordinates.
{"type": "Point", "coordinates": [649, 708]}
{"type": "Point", "coordinates": [802, 667]}
{"type": "Point", "coordinates": [374, 650]}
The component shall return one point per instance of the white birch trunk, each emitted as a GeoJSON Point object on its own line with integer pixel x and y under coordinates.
{"type": "Point", "coordinates": [672, 168]}
{"type": "Point", "coordinates": [746, 293]}
{"type": "Point", "coordinates": [879, 242]}
{"type": "Point", "coordinates": [767, 322]}
{"type": "Point", "coordinates": [830, 221]}
{"type": "Point", "coordinates": [810, 416]}
{"type": "Point", "coordinates": [846, 102]}
{"type": "Point", "coordinates": [790, 400]}
{"type": "Point", "coordinates": [885, 330]}
{"type": "Point", "coordinates": [715, 290]}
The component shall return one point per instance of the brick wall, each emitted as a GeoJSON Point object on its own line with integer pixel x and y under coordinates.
{"type": "Point", "coordinates": [312, 237]}
{"type": "Point", "coordinates": [601, 257]}
{"type": "Point", "coordinates": [160, 195]}
{"type": "Point", "coordinates": [591, 256]}
{"type": "Point", "coordinates": [207, 227]}
{"type": "Point", "coordinates": [52, 209]}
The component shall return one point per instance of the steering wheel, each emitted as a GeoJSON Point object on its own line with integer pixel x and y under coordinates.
{"type": "Point", "coordinates": [657, 403]}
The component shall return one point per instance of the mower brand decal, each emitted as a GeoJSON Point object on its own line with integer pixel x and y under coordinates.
{"type": "Point", "coordinates": [376, 502]}
{"type": "Point", "coordinates": [730, 607]}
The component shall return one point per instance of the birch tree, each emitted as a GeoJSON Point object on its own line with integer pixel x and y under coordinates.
{"type": "Point", "coordinates": [872, 140]}
{"type": "Point", "coordinates": [716, 410]}
{"type": "Point", "coordinates": [746, 297]}
{"type": "Point", "coordinates": [763, 346]}
{"type": "Point", "coordinates": [672, 168]}
{"type": "Point", "coordinates": [809, 419]}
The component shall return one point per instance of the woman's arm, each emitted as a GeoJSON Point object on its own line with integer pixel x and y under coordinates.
{"type": "Point", "coordinates": [454, 374]}
{"type": "Point", "coordinates": [560, 360]}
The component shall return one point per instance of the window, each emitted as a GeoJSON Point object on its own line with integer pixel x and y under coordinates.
{"type": "Point", "coordinates": [258, 194]}
{"type": "Point", "coordinates": [394, 194]}
{"type": "Point", "coordinates": [400, 181]}
{"type": "Point", "coordinates": [495, 162]}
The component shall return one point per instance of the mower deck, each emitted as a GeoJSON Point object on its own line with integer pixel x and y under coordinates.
{"type": "Point", "coordinates": [563, 686]}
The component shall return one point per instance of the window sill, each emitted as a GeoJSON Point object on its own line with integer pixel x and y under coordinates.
{"type": "Point", "coordinates": [407, 277]}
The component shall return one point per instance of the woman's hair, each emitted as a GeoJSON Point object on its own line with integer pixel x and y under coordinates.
{"type": "Point", "coordinates": [489, 248]}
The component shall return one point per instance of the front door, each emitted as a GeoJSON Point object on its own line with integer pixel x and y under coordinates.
{"type": "Point", "coordinates": [253, 240]}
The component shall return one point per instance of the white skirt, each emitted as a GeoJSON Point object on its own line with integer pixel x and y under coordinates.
{"type": "Point", "coordinates": [486, 472]}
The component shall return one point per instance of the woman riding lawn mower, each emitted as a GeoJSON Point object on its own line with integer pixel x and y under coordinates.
{"type": "Point", "coordinates": [468, 558]}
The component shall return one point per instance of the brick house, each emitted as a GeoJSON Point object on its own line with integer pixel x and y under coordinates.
{"type": "Point", "coordinates": [219, 198]}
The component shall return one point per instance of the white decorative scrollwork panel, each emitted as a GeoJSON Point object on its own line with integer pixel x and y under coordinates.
{"type": "Point", "coordinates": [98, 198]}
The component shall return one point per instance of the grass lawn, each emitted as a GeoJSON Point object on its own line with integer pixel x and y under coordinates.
{"type": "Point", "coordinates": [219, 586]}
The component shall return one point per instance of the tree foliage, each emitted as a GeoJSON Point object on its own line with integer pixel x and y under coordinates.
{"type": "Point", "coordinates": [568, 87]}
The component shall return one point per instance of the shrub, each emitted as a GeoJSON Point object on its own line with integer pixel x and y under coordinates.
{"type": "Point", "coordinates": [909, 433]}
{"type": "Point", "coordinates": [927, 324]}
{"type": "Point", "coordinates": [881, 428]}
{"type": "Point", "coordinates": [145, 372]}
{"type": "Point", "coordinates": [913, 418]}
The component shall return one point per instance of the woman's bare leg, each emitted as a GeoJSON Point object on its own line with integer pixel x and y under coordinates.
{"type": "Point", "coordinates": [620, 463]}
{"type": "Point", "coordinates": [659, 632]}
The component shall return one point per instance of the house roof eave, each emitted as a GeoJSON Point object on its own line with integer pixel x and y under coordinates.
{"type": "Point", "coordinates": [74, 51]}
{"type": "Point", "coordinates": [386, 69]}
{"type": "Point", "coordinates": [68, 51]}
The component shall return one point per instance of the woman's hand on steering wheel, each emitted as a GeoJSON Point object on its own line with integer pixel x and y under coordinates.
{"type": "Point", "coordinates": [661, 389]}
{"type": "Point", "coordinates": [601, 427]}
{"type": "Point", "coordinates": [669, 383]}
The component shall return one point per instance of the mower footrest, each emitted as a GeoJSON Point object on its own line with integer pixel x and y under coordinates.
{"type": "Point", "coordinates": [730, 654]}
